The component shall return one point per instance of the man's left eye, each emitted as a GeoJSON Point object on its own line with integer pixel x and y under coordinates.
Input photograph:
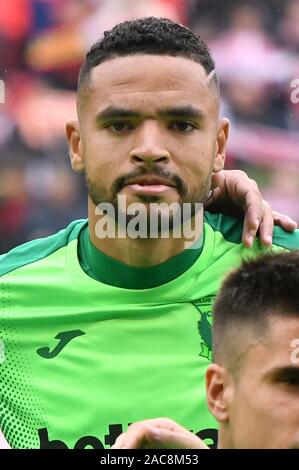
{"type": "Point", "coordinates": [182, 126]}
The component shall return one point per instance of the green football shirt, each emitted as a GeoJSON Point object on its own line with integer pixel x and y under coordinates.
{"type": "Point", "coordinates": [89, 345]}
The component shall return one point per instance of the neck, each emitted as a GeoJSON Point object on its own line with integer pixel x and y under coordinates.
{"type": "Point", "coordinates": [142, 252]}
{"type": "Point", "coordinates": [224, 438]}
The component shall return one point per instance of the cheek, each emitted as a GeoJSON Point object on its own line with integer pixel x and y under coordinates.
{"type": "Point", "coordinates": [265, 407]}
{"type": "Point", "coordinates": [198, 153]}
{"type": "Point", "coordinates": [101, 171]}
{"type": "Point", "coordinates": [197, 165]}
{"type": "Point", "coordinates": [108, 153]}
{"type": "Point", "coordinates": [99, 156]}
{"type": "Point", "coordinates": [282, 409]}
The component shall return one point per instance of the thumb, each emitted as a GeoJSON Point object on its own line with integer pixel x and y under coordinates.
{"type": "Point", "coordinates": [218, 179]}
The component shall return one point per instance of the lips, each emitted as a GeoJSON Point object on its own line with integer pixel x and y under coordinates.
{"type": "Point", "coordinates": [150, 185]}
{"type": "Point", "coordinates": [150, 181]}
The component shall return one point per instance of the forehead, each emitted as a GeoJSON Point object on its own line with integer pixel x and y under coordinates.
{"type": "Point", "coordinates": [148, 81]}
{"type": "Point", "coordinates": [276, 348]}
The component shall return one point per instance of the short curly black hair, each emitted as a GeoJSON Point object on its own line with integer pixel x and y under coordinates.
{"type": "Point", "coordinates": [150, 35]}
{"type": "Point", "coordinates": [261, 288]}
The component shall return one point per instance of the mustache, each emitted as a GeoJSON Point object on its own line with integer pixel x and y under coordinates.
{"type": "Point", "coordinates": [170, 177]}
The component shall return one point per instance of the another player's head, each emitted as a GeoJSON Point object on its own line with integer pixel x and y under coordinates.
{"type": "Point", "coordinates": [148, 105]}
{"type": "Point", "coordinates": [253, 386]}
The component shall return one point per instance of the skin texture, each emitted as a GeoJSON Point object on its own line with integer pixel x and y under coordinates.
{"type": "Point", "coordinates": [159, 433]}
{"type": "Point", "coordinates": [235, 194]}
{"type": "Point", "coordinates": [259, 406]}
{"type": "Point", "coordinates": [188, 152]}
{"type": "Point", "coordinates": [184, 149]}
{"type": "Point", "coordinates": [3, 442]}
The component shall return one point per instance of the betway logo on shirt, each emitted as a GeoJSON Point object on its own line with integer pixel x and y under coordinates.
{"type": "Point", "coordinates": [114, 431]}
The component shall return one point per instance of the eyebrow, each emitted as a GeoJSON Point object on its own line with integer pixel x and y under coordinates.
{"type": "Point", "coordinates": [113, 112]}
{"type": "Point", "coordinates": [182, 111]}
{"type": "Point", "coordinates": [281, 374]}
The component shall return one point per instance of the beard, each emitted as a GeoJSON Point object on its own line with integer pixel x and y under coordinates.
{"type": "Point", "coordinates": [172, 218]}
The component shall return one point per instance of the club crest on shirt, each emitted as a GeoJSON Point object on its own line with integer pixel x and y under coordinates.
{"type": "Point", "coordinates": [204, 324]}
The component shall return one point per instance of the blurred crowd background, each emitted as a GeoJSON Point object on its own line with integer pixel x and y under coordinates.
{"type": "Point", "coordinates": [43, 43]}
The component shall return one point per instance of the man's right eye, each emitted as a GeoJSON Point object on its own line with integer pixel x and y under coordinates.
{"type": "Point", "coordinates": [118, 127]}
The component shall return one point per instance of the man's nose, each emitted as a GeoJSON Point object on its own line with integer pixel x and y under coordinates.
{"type": "Point", "coordinates": [149, 144]}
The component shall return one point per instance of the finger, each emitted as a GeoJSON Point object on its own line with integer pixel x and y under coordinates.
{"type": "Point", "coordinates": [244, 193]}
{"type": "Point", "coordinates": [141, 436]}
{"type": "Point", "coordinates": [136, 435]}
{"type": "Point", "coordinates": [161, 438]}
{"type": "Point", "coordinates": [215, 196]}
{"type": "Point", "coordinates": [3, 442]}
{"type": "Point", "coordinates": [266, 226]}
{"type": "Point", "coordinates": [218, 189]}
{"type": "Point", "coordinates": [284, 221]}
{"type": "Point", "coordinates": [254, 212]}
{"type": "Point", "coordinates": [118, 444]}
{"type": "Point", "coordinates": [250, 227]}
{"type": "Point", "coordinates": [218, 179]}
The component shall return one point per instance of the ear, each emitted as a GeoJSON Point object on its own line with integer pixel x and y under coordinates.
{"type": "Point", "coordinates": [222, 136]}
{"type": "Point", "coordinates": [218, 391]}
{"type": "Point", "coordinates": [75, 145]}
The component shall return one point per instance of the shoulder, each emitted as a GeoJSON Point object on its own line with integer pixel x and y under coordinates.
{"type": "Point", "coordinates": [287, 240]}
{"type": "Point", "coordinates": [231, 230]}
{"type": "Point", "coordinates": [36, 250]}
{"type": "Point", "coordinates": [229, 227]}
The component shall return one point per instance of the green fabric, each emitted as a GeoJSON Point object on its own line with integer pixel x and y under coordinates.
{"type": "Point", "coordinates": [231, 230]}
{"type": "Point", "coordinates": [110, 271]}
{"type": "Point", "coordinates": [38, 249]}
{"type": "Point", "coordinates": [81, 359]}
